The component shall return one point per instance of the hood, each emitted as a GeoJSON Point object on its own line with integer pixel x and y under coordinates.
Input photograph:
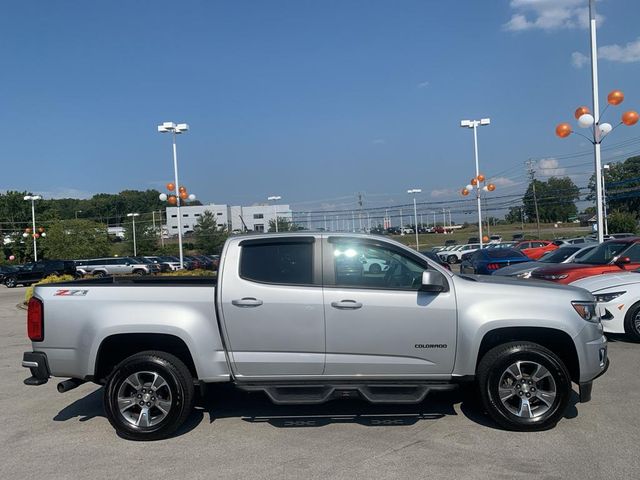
{"type": "Point", "coordinates": [517, 282]}
{"type": "Point", "coordinates": [564, 268]}
{"type": "Point", "coordinates": [519, 268]}
{"type": "Point", "coordinates": [607, 281]}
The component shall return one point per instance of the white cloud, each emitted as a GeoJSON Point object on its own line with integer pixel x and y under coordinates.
{"type": "Point", "coordinates": [550, 167]}
{"type": "Point", "coordinates": [502, 182]}
{"type": "Point", "coordinates": [548, 15]}
{"type": "Point", "coordinates": [65, 192]}
{"type": "Point", "coordinates": [379, 141]}
{"type": "Point", "coordinates": [443, 192]}
{"type": "Point", "coordinates": [424, 84]}
{"type": "Point", "coordinates": [579, 59]}
{"type": "Point", "coordinates": [628, 53]}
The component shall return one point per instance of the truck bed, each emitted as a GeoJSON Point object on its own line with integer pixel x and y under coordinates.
{"type": "Point", "coordinates": [133, 280]}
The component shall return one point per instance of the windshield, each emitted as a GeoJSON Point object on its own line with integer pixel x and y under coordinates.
{"type": "Point", "coordinates": [143, 260]}
{"type": "Point", "coordinates": [559, 255]}
{"type": "Point", "coordinates": [605, 253]}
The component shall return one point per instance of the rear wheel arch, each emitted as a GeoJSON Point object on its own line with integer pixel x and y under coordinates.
{"type": "Point", "coordinates": [555, 340]}
{"type": "Point", "coordinates": [116, 348]}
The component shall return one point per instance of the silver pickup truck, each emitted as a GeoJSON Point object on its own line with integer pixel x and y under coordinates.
{"type": "Point", "coordinates": [300, 318]}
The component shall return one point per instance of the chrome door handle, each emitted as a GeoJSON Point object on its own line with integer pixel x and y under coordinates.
{"type": "Point", "coordinates": [346, 305]}
{"type": "Point", "coordinates": [247, 302]}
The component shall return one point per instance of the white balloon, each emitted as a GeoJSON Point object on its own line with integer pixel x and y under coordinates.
{"type": "Point", "coordinates": [163, 197]}
{"type": "Point", "coordinates": [469, 187]}
{"type": "Point", "coordinates": [192, 197]}
{"type": "Point", "coordinates": [585, 120]}
{"type": "Point", "coordinates": [25, 234]}
{"type": "Point", "coordinates": [43, 234]}
{"type": "Point", "coordinates": [485, 188]}
{"type": "Point", "coordinates": [605, 128]}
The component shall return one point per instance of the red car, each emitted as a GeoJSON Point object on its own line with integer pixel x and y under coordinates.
{"type": "Point", "coordinates": [534, 249]}
{"type": "Point", "coordinates": [611, 256]}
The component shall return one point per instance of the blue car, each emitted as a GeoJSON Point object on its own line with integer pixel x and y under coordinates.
{"type": "Point", "coordinates": [488, 260]}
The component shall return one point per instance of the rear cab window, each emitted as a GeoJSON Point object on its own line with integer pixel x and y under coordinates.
{"type": "Point", "coordinates": [281, 263]}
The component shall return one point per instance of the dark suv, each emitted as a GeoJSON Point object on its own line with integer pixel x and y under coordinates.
{"type": "Point", "coordinates": [34, 272]}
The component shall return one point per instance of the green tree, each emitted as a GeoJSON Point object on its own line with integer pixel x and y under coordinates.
{"type": "Point", "coordinates": [556, 199]}
{"type": "Point", "coordinates": [622, 222]}
{"type": "Point", "coordinates": [146, 236]}
{"type": "Point", "coordinates": [208, 235]}
{"type": "Point", "coordinates": [622, 183]}
{"type": "Point", "coordinates": [284, 225]}
{"type": "Point", "coordinates": [73, 239]}
{"type": "Point", "coordinates": [514, 215]}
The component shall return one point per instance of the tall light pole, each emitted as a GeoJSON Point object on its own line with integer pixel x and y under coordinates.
{"type": "Point", "coordinates": [413, 191]}
{"type": "Point", "coordinates": [33, 199]}
{"type": "Point", "coordinates": [77, 212]}
{"type": "Point", "coordinates": [274, 199]}
{"type": "Point", "coordinates": [604, 201]}
{"type": "Point", "coordinates": [474, 124]}
{"type": "Point", "coordinates": [170, 127]}
{"type": "Point", "coordinates": [133, 219]}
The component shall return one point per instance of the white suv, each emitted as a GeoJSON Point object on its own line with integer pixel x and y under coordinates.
{"type": "Point", "coordinates": [455, 255]}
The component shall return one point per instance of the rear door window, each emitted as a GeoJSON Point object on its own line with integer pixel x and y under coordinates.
{"type": "Point", "coordinates": [286, 263]}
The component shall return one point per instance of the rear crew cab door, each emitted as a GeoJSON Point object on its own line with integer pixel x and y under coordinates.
{"type": "Point", "coordinates": [271, 306]}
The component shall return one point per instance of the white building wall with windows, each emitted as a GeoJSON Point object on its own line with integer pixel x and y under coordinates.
{"type": "Point", "coordinates": [235, 218]}
{"type": "Point", "coordinates": [191, 214]}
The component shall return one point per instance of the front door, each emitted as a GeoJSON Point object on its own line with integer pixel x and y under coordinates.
{"type": "Point", "coordinates": [271, 297]}
{"type": "Point", "coordinates": [380, 323]}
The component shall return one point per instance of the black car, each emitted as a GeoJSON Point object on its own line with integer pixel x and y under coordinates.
{"type": "Point", "coordinates": [34, 272]}
{"type": "Point", "coordinates": [429, 254]}
{"type": "Point", "coordinates": [7, 270]}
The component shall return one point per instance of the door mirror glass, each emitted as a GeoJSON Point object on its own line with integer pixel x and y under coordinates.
{"type": "Point", "coordinates": [433, 281]}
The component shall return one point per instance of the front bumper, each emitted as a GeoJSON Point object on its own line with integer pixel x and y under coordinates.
{"type": "Point", "coordinates": [37, 363]}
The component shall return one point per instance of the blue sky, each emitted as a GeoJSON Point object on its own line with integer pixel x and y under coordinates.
{"type": "Point", "coordinates": [310, 100]}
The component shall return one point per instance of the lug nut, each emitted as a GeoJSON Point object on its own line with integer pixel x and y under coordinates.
{"type": "Point", "coordinates": [141, 403]}
{"type": "Point", "coordinates": [148, 404]}
{"type": "Point", "coordinates": [153, 398]}
{"type": "Point", "coordinates": [533, 389]}
{"type": "Point", "coordinates": [144, 391]}
{"type": "Point", "coordinates": [521, 393]}
{"type": "Point", "coordinates": [528, 395]}
{"type": "Point", "coordinates": [139, 396]}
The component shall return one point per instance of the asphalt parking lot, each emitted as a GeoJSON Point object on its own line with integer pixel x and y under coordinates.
{"type": "Point", "coordinates": [49, 435]}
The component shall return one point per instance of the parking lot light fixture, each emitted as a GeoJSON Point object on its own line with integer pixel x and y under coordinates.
{"type": "Point", "coordinates": [133, 219]}
{"type": "Point", "coordinates": [170, 127]}
{"type": "Point", "coordinates": [32, 199]}
{"type": "Point", "coordinates": [274, 199]}
{"type": "Point", "coordinates": [474, 124]}
{"type": "Point", "coordinates": [413, 191]}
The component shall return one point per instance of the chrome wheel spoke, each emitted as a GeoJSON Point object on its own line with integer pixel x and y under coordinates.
{"type": "Point", "coordinates": [525, 408]}
{"type": "Point", "coordinates": [158, 382]}
{"type": "Point", "coordinates": [134, 381]}
{"type": "Point", "coordinates": [540, 373]}
{"type": "Point", "coordinates": [546, 397]}
{"type": "Point", "coordinates": [125, 404]}
{"type": "Point", "coordinates": [164, 406]}
{"type": "Point", "coordinates": [514, 370]}
{"type": "Point", "coordinates": [143, 418]}
{"type": "Point", "coordinates": [505, 393]}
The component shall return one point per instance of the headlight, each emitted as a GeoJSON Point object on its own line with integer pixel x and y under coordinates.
{"type": "Point", "coordinates": [524, 274]}
{"type": "Point", "coordinates": [607, 297]}
{"type": "Point", "coordinates": [587, 310]}
{"type": "Point", "coordinates": [554, 277]}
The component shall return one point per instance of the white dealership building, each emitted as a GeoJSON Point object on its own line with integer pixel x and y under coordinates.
{"type": "Point", "coordinates": [235, 218]}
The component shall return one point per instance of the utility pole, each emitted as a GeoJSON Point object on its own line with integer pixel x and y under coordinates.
{"type": "Point", "coordinates": [360, 210]}
{"type": "Point", "coordinates": [532, 172]}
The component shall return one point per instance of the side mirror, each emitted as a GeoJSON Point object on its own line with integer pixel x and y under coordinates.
{"type": "Point", "coordinates": [623, 261]}
{"type": "Point", "coordinates": [433, 281]}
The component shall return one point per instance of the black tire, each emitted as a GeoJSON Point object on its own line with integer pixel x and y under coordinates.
{"type": "Point", "coordinates": [375, 268]}
{"type": "Point", "coordinates": [452, 259]}
{"type": "Point", "coordinates": [541, 415]}
{"type": "Point", "coordinates": [11, 282]}
{"type": "Point", "coordinates": [179, 384]}
{"type": "Point", "coordinates": [99, 274]}
{"type": "Point", "coordinates": [631, 326]}
{"type": "Point", "coordinates": [139, 272]}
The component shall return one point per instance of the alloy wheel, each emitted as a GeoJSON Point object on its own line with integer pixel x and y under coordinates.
{"type": "Point", "coordinates": [144, 399]}
{"type": "Point", "coordinates": [527, 389]}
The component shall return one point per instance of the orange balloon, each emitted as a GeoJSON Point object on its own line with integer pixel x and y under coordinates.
{"type": "Point", "coordinates": [465, 192]}
{"type": "Point", "coordinates": [481, 178]}
{"type": "Point", "coordinates": [630, 118]}
{"type": "Point", "coordinates": [28, 230]}
{"type": "Point", "coordinates": [182, 189]}
{"type": "Point", "coordinates": [474, 181]}
{"type": "Point", "coordinates": [581, 111]}
{"type": "Point", "coordinates": [563, 130]}
{"type": "Point", "coordinates": [485, 239]}
{"type": "Point", "coordinates": [615, 97]}
{"type": "Point", "coordinates": [171, 186]}
{"type": "Point", "coordinates": [41, 229]}
{"type": "Point", "coordinates": [491, 187]}
{"type": "Point", "coordinates": [184, 195]}
{"type": "Point", "coordinates": [172, 200]}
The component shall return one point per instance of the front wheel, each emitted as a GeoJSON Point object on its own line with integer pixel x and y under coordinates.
{"type": "Point", "coordinates": [524, 386]}
{"type": "Point", "coordinates": [11, 282]}
{"type": "Point", "coordinates": [632, 322]}
{"type": "Point", "coordinates": [149, 396]}
{"type": "Point", "coordinates": [452, 259]}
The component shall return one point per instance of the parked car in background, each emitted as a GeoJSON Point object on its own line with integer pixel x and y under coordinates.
{"type": "Point", "coordinates": [501, 245]}
{"type": "Point", "coordinates": [432, 256]}
{"type": "Point", "coordinates": [216, 261]}
{"type": "Point", "coordinates": [612, 256]}
{"type": "Point", "coordinates": [31, 273]}
{"type": "Point", "coordinates": [573, 241]}
{"type": "Point", "coordinates": [455, 255]}
{"type": "Point", "coordinates": [164, 266]}
{"type": "Point", "coordinates": [191, 263]}
{"type": "Point", "coordinates": [495, 239]}
{"type": "Point", "coordinates": [173, 262]}
{"type": "Point", "coordinates": [156, 267]}
{"type": "Point", "coordinates": [205, 261]}
{"type": "Point", "coordinates": [7, 269]}
{"type": "Point", "coordinates": [101, 267]}
{"type": "Point", "coordinates": [534, 249]}
{"type": "Point", "coordinates": [488, 260]}
{"type": "Point", "coordinates": [564, 254]}
{"type": "Point", "coordinates": [619, 296]}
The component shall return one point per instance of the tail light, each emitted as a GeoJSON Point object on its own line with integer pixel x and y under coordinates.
{"type": "Point", "coordinates": [35, 320]}
{"type": "Point", "coordinates": [493, 266]}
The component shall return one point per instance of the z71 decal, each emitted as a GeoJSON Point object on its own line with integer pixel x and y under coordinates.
{"type": "Point", "coordinates": [70, 293]}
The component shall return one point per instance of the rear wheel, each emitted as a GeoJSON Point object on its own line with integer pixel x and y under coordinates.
{"type": "Point", "coordinates": [11, 282]}
{"type": "Point", "coordinates": [139, 272]}
{"type": "Point", "coordinates": [149, 396]}
{"type": "Point", "coordinates": [99, 274]}
{"type": "Point", "coordinates": [452, 259]}
{"type": "Point", "coordinates": [524, 386]}
{"type": "Point", "coordinates": [375, 268]}
{"type": "Point", "coordinates": [632, 322]}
